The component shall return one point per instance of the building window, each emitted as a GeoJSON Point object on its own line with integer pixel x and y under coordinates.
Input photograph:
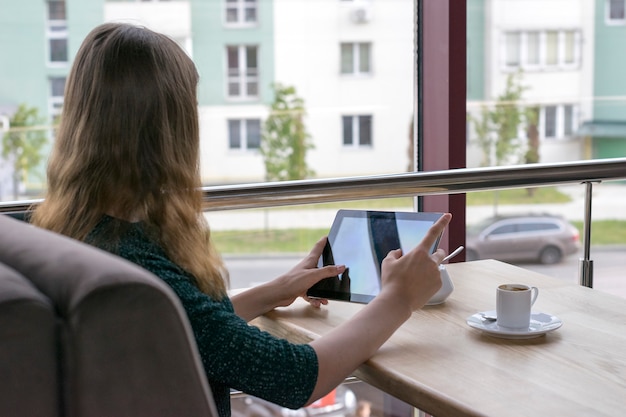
{"type": "Point", "coordinates": [552, 48]}
{"type": "Point", "coordinates": [569, 47]}
{"type": "Point", "coordinates": [568, 120]}
{"type": "Point", "coordinates": [357, 130]}
{"type": "Point", "coordinates": [56, 33]}
{"type": "Point", "coordinates": [355, 58]}
{"type": "Point", "coordinates": [55, 101]}
{"type": "Point", "coordinates": [558, 121]}
{"type": "Point", "coordinates": [241, 12]}
{"type": "Point", "coordinates": [533, 48]}
{"type": "Point", "coordinates": [615, 11]}
{"type": "Point", "coordinates": [536, 50]}
{"type": "Point", "coordinates": [244, 134]}
{"type": "Point", "coordinates": [243, 71]}
{"type": "Point", "coordinates": [512, 54]}
{"type": "Point", "coordinates": [550, 122]}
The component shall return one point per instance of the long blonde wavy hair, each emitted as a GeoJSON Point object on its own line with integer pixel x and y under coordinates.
{"type": "Point", "coordinates": [128, 145]}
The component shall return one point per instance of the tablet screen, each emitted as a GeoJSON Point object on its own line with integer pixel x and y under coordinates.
{"type": "Point", "coordinates": [360, 240]}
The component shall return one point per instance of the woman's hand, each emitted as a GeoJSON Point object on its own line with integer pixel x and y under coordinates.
{"type": "Point", "coordinates": [414, 277]}
{"type": "Point", "coordinates": [303, 276]}
{"type": "Point", "coordinates": [409, 281]}
{"type": "Point", "coordinates": [284, 290]}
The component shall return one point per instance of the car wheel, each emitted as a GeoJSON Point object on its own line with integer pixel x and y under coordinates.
{"type": "Point", "coordinates": [550, 255]}
{"type": "Point", "coordinates": [471, 255]}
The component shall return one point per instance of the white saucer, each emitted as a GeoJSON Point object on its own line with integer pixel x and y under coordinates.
{"type": "Point", "coordinates": [540, 324]}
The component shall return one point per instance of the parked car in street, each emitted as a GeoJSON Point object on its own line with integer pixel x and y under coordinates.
{"type": "Point", "coordinates": [544, 238]}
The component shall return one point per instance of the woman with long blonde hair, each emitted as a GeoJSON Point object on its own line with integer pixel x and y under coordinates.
{"type": "Point", "coordinates": [124, 176]}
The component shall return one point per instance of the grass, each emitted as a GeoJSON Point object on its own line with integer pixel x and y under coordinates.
{"type": "Point", "coordinates": [605, 232]}
{"type": "Point", "coordinates": [267, 241]}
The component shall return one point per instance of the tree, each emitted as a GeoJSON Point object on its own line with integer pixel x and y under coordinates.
{"type": "Point", "coordinates": [23, 144]}
{"type": "Point", "coordinates": [497, 129]}
{"type": "Point", "coordinates": [285, 141]}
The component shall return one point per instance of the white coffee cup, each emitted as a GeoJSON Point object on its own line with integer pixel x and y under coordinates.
{"type": "Point", "coordinates": [513, 305]}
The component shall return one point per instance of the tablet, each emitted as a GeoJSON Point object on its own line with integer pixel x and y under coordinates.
{"type": "Point", "coordinates": [360, 240]}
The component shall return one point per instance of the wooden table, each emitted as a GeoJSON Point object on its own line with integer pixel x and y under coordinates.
{"type": "Point", "coordinates": [437, 363]}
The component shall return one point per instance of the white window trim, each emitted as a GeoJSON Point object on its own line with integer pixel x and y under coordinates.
{"type": "Point", "coordinates": [243, 78]}
{"type": "Point", "coordinates": [356, 55]}
{"type": "Point", "coordinates": [559, 133]}
{"type": "Point", "coordinates": [543, 66]}
{"type": "Point", "coordinates": [356, 143]}
{"type": "Point", "coordinates": [56, 29]}
{"type": "Point", "coordinates": [241, 9]}
{"type": "Point", "coordinates": [607, 19]}
{"type": "Point", "coordinates": [243, 126]}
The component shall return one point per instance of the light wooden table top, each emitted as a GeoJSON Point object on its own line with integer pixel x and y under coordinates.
{"type": "Point", "coordinates": [439, 364]}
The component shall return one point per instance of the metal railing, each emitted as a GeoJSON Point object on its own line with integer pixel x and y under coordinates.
{"type": "Point", "coordinates": [260, 195]}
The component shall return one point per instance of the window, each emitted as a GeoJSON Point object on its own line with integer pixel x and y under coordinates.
{"type": "Point", "coordinates": [512, 55]}
{"type": "Point", "coordinates": [536, 50]}
{"type": "Point", "coordinates": [615, 11]}
{"type": "Point", "coordinates": [552, 48]}
{"type": "Point", "coordinates": [537, 227]}
{"type": "Point", "coordinates": [550, 122]}
{"type": "Point", "coordinates": [533, 49]}
{"type": "Point", "coordinates": [355, 58]}
{"type": "Point", "coordinates": [503, 230]}
{"type": "Point", "coordinates": [244, 134]}
{"type": "Point", "coordinates": [558, 121]}
{"type": "Point", "coordinates": [241, 12]}
{"type": "Point", "coordinates": [243, 72]}
{"type": "Point", "coordinates": [57, 88]}
{"type": "Point", "coordinates": [357, 130]}
{"type": "Point", "coordinates": [568, 120]}
{"type": "Point", "coordinates": [56, 33]}
{"type": "Point", "coordinates": [55, 101]}
{"type": "Point", "coordinates": [569, 46]}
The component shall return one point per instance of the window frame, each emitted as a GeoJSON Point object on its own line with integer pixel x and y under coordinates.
{"type": "Point", "coordinates": [608, 20]}
{"type": "Point", "coordinates": [542, 34]}
{"type": "Point", "coordinates": [355, 48]}
{"type": "Point", "coordinates": [244, 134]}
{"type": "Point", "coordinates": [56, 30]}
{"type": "Point", "coordinates": [563, 123]}
{"type": "Point", "coordinates": [244, 75]}
{"type": "Point", "coordinates": [241, 7]}
{"type": "Point", "coordinates": [356, 131]}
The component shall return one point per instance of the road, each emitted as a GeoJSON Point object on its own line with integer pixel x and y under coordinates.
{"type": "Point", "coordinates": [608, 271]}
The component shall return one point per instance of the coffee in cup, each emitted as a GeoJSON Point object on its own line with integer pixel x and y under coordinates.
{"type": "Point", "coordinates": [513, 305]}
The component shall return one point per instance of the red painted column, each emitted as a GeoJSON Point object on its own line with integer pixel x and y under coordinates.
{"type": "Point", "coordinates": [442, 116]}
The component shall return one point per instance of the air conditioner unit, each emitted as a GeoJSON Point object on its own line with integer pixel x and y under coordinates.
{"type": "Point", "coordinates": [361, 13]}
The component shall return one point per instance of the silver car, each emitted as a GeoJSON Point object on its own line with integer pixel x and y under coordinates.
{"type": "Point", "coordinates": [544, 238]}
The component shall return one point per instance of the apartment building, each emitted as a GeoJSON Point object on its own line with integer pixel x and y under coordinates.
{"type": "Point", "coordinates": [352, 63]}
{"type": "Point", "coordinates": [547, 42]}
{"type": "Point", "coordinates": [349, 60]}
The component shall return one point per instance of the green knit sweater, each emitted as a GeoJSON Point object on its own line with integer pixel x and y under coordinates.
{"type": "Point", "coordinates": [235, 354]}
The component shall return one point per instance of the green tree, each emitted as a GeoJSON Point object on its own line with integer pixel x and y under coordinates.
{"type": "Point", "coordinates": [497, 129]}
{"type": "Point", "coordinates": [23, 144]}
{"type": "Point", "coordinates": [285, 141]}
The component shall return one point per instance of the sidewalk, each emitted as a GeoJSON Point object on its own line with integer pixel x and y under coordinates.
{"type": "Point", "coordinates": [608, 202]}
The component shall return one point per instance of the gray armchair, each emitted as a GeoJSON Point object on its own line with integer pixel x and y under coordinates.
{"type": "Point", "coordinates": [85, 333]}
